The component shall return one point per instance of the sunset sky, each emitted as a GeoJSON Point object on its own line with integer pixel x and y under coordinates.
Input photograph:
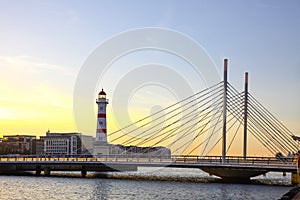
{"type": "Point", "coordinates": [44, 44]}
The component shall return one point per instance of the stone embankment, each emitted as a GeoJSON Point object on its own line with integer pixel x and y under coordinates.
{"type": "Point", "coordinates": [292, 194]}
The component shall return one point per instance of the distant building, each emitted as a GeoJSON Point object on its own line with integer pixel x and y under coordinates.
{"type": "Point", "coordinates": [136, 151]}
{"type": "Point", "coordinates": [61, 143]}
{"type": "Point", "coordinates": [38, 147]}
{"type": "Point", "coordinates": [87, 143]}
{"type": "Point", "coordinates": [17, 144]}
{"type": "Point", "coordinates": [66, 144]}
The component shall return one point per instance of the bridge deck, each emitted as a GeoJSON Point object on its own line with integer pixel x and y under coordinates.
{"type": "Point", "coordinates": [233, 167]}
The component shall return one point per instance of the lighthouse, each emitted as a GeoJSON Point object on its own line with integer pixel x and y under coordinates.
{"type": "Point", "coordinates": [101, 117]}
{"type": "Point", "coordinates": [101, 147]}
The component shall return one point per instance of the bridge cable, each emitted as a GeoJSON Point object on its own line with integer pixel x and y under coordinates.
{"type": "Point", "coordinates": [172, 105]}
{"type": "Point", "coordinates": [179, 120]}
{"type": "Point", "coordinates": [188, 130]}
{"type": "Point", "coordinates": [250, 128]}
{"type": "Point", "coordinates": [160, 116]}
{"type": "Point", "coordinates": [279, 129]}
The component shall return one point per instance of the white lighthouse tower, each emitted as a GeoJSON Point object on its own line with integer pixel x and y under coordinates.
{"type": "Point", "coordinates": [101, 147]}
{"type": "Point", "coordinates": [101, 118]}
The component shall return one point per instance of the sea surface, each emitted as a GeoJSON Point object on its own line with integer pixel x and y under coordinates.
{"type": "Point", "coordinates": [147, 183]}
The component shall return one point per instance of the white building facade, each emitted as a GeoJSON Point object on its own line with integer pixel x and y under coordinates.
{"type": "Point", "coordinates": [62, 143]}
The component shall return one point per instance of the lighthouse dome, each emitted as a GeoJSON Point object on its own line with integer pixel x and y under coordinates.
{"type": "Point", "coordinates": [102, 92]}
{"type": "Point", "coordinates": [102, 95]}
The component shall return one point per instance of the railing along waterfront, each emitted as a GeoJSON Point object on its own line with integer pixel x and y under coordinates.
{"type": "Point", "coordinates": [236, 160]}
{"type": "Point", "coordinates": [188, 159]}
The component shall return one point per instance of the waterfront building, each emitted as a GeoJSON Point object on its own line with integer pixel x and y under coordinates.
{"type": "Point", "coordinates": [65, 144]}
{"type": "Point", "coordinates": [136, 151]}
{"type": "Point", "coordinates": [87, 143]}
{"type": "Point", "coordinates": [17, 144]}
{"type": "Point", "coordinates": [61, 143]}
{"type": "Point", "coordinates": [38, 147]}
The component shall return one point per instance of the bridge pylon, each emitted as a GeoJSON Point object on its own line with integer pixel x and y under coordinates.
{"type": "Point", "coordinates": [245, 114]}
{"type": "Point", "coordinates": [224, 111]}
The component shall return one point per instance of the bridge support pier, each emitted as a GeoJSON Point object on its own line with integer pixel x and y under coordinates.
{"type": "Point", "coordinates": [234, 175]}
{"type": "Point", "coordinates": [295, 178]}
{"type": "Point", "coordinates": [83, 171]}
{"type": "Point", "coordinates": [47, 171]}
{"type": "Point", "coordinates": [38, 170]}
{"type": "Point", "coordinates": [235, 180]}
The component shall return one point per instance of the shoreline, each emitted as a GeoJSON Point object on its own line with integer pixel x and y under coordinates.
{"type": "Point", "coordinates": [292, 194]}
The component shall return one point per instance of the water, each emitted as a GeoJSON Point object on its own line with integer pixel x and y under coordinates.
{"type": "Point", "coordinates": [189, 184]}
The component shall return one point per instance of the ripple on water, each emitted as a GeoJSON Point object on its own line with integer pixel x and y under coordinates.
{"type": "Point", "coordinates": [31, 187]}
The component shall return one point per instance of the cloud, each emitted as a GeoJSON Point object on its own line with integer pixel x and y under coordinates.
{"type": "Point", "coordinates": [29, 64]}
{"type": "Point", "coordinates": [34, 90]}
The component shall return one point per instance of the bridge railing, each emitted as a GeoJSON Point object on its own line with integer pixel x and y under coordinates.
{"type": "Point", "coordinates": [149, 158]}
{"type": "Point", "coordinates": [235, 160]}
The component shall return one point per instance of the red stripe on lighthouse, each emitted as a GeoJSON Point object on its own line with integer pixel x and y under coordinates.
{"type": "Point", "coordinates": [101, 115]}
{"type": "Point", "coordinates": [103, 130]}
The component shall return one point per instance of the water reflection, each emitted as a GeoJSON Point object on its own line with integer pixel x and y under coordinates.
{"type": "Point", "coordinates": [69, 186]}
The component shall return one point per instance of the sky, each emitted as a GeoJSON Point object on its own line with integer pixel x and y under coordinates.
{"type": "Point", "coordinates": [45, 44]}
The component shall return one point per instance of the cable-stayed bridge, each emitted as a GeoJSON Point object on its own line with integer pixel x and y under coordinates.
{"type": "Point", "coordinates": [186, 134]}
{"type": "Point", "coordinates": [214, 116]}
